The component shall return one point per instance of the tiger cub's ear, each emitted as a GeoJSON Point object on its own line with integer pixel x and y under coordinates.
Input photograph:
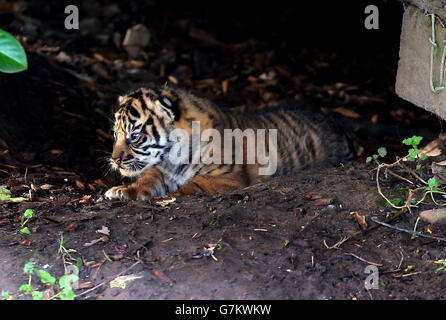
{"type": "Point", "coordinates": [169, 108]}
{"type": "Point", "coordinates": [120, 99]}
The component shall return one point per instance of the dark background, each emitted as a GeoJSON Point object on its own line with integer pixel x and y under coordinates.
{"type": "Point", "coordinates": [319, 51]}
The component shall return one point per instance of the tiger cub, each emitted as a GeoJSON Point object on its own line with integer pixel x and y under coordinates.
{"type": "Point", "coordinates": [173, 141]}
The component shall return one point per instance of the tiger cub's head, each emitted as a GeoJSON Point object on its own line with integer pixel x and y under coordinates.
{"type": "Point", "coordinates": [142, 125]}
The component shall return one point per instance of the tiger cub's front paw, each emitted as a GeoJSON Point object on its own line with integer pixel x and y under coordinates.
{"type": "Point", "coordinates": [118, 192]}
{"type": "Point", "coordinates": [126, 193]}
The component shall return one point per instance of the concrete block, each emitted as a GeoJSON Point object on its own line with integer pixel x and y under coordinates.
{"type": "Point", "coordinates": [413, 82]}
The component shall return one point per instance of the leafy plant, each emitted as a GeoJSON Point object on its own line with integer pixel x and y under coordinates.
{"type": "Point", "coordinates": [44, 276]}
{"type": "Point", "coordinates": [414, 152]}
{"type": "Point", "coordinates": [65, 282]}
{"type": "Point", "coordinates": [382, 152]}
{"type": "Point", "coordinates": [63, 286]}
{"type": "Point", "coordinates": [12, 55]}
{"type": "Point", "coordinates": [430, 190]}
{"type": "Point", "coordinates": [62, 250]}
{"type": "Point", "coordinates": [24, 220]}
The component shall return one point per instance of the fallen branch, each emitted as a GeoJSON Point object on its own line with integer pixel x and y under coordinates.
{"type": "Point", "coordinates": [415, 233]}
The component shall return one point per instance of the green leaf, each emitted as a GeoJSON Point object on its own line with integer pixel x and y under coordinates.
{"type": "Point", "coordinates": [382, 152]}
{"type": "Point", "coordinates": [25, 230]}
{"type": "Point", "coordinates": [433, 184]}
{"type": "Point", "coordinates": [45, 277]}
{"type": "Point", "coordinates": [413, 141]}
{"type": "Point", "coordinates": [61, 241]}
{"type": "Point", "coordinates": [423, 157]}
{"type": "Point", "coordinates": [29, 268]}
{"type": "Point", "coordinates": [5, 295]}
{"type": "Point", "coordinates": [407, 142]}
{"type": "Point", "coordinates": [368, 159]}
{"type": "Point", "coordinates": [67, 294]}
{"type": "Point", "coordinates": [66, 280]}
{"type": "Point", "coordinates": [12, 55]}
{"type": "Point", "coordinates": [5, 195]}
{"type": "Point", "coordinates": [375, 156]}
{"type": "Point", "coordinates": [106, 256]}
{"type": "Point", "coordinates": [28, 214]}
{"type": "Point", "coordinates": [396, 201]}
{"type": "Point", "coordinates": [417, 140]}
{"type": "Point", "coordinates": [26, 288]}
{"type": "Point", "coordinates": [37, 295]}
{"type": "Point", "coordinates": [79, 263]}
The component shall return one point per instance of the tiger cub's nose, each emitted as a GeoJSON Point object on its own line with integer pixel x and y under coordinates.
{"type": "Point", "coordinates": [117, 160]}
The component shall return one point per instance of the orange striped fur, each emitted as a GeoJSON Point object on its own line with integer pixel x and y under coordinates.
{"type": "Point", "coordinates": [147, 116]}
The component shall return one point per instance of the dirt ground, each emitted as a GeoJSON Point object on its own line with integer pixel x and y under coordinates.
{"type": "Point", "coordinates": [274, 240]}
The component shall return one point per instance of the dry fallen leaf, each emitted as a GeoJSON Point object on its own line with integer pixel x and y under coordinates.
{"type": "Point", "coordinates": [120, 282]}
{"type": "Point", "coordinates": [46, 186]}
{"type": "Point", "coordinates": [85, 285]}
{"type": "Point", "coordinates": [224, 86]}
{"type": "Point", "coordinates": [165, 202]}
{"type": "Point", "coordinates": [347, 113]}
{"type": "Point", "coordinates": [361, 220]}
{"type": "Point", "coordinates": [103, 230]}
{"type": "Point", "coordinates": [103, 239]}
{"type": "Point", "coordinates": [117, 256]}
{"type": "Point", "coordinates": [80, 184]}
{"type": "Point", "coordinates": [85, 199]}
{"type": "Point", "coordinates": [162, 276]}
{"type": "Point", "coordinates": [323, 202]}
{"type": "Point", "coordinates": [101, 183]}
{"type": "Point", "coordinates": [72, 226]}
{"type": "Point", "coordinates": [56, 152]}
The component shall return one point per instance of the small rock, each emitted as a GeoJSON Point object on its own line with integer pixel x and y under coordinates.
{"type": "Point", "coordinates": [434, 215]}
{"type": "Point", "coordinates": [271, 75]}
{"type": "Point", "coordinates": [136, 38]}
{"type": "Point", "coordinates": [63, 57]}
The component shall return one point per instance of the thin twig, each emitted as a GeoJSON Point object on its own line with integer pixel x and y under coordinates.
{"type": "Point", "coordinates": [398, 176]}
{"type": "Point", "coordinates": [340, 242]}
{"type": "Point", "coordinates": [363, 260]}
{"type": "Point", "coordinates": [401, 262]}
{"type": "Point", "coordinates": [375, 219]}
{"type": "Point", "coordinates": [413, 173]}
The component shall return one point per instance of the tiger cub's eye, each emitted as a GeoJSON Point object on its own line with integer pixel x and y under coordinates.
{"type": "Point", "coordinates": [135, 136]}
{"type": "Point", "coordinates": [166, 102]}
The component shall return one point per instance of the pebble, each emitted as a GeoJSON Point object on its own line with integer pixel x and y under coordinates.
{"type": "Point", "coordinates": [434, 216]}
{"type": "Point", "coordinates": [136, 38]}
